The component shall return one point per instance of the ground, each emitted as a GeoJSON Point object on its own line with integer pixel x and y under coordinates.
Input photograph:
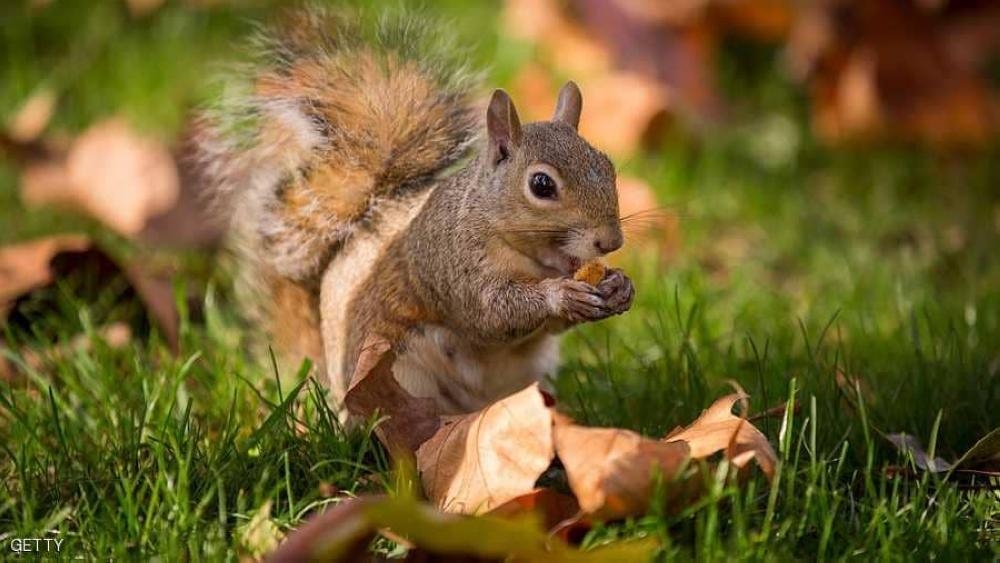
{"type": "Point", "coordinates": [791, 263]}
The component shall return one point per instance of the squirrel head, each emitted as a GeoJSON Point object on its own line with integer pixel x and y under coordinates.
{"type": "Point", "coordinates": [553, 195]}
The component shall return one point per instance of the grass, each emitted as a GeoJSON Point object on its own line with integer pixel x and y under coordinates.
{"type": "Point", "coordinates": [795, 262]}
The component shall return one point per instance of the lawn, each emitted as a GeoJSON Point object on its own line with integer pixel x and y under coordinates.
{"type": "Point", "coordinates": [791, 265]}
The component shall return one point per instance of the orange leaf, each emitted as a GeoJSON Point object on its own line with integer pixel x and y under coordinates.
{"type": "Point", "coordinates": [30, 266]}
{"type": "Point", "coordinates": [111, 173]}
{"type": "Point", "coordinates": [25, 266]}
{"type": "Point", "coordinates": [480, 461]}
{"type": "Point", "coordinates": [611, 471]}
{"type": "Point", "coordinates": [717, 429]}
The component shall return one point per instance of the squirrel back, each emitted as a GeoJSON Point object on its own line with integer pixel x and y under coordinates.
{"type": "Point", "coordinates": [335, 113]}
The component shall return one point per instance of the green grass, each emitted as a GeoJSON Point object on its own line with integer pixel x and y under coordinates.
{"type": "Point", "coordinates": [796, 262]}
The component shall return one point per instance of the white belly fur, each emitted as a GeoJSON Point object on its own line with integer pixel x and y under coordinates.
{"type": "Point", "coordinates": [440, 364]}
{"type": "Point", "coordinates": [437, 363]}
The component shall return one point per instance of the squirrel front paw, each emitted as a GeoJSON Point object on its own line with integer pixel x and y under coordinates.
{"type": "Point", "coordinates": [578, 301]}
{"type": "Point", "coordinates": [617, 290]}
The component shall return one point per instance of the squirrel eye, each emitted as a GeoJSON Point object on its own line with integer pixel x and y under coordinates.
{"type": "Point", "coordinates": [542, 186]}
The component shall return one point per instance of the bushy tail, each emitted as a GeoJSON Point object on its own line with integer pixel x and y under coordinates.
{"type": "Point", "coordinates": [337, 112]}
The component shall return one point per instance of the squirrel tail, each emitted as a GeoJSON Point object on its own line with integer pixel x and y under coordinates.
{"type": "Point", "coordinates": [336, 112]}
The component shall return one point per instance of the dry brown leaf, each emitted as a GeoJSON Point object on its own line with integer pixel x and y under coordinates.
{"type": "Point", "coordinates": [559, 512]}
{"type": "Point", "coordinates": [622, 110]}
{"type": "Point", "coordinates": [562, 42]}
{"type": "Point", "coordinates": [611, 471]}
{"type": "Point", "coordinates": [477, 462]}
{"type": "Point", "coordinates": [341, 533]}
{"type": "Point", "coordinates": [492, 459]}
{"type": "Point", "coordinates": [982, 459]}
{"type": "Point", "coordinates": [409, 421]}
{"type": "Point", "coordinates": [33, 117]}
{"type": "Point", "coordinates": [110, 172]}
{"type": "Point", "coordinates": [25, 266]}
{"type": "Point", "coordinates": [31, 266]}
{"type": "Point", "coordinates": [765, 20]}
{"type": "Point", "coordinates": [718, 429]}
{"type": "Point", "coordinates": [678, 56]}
{"type": "Point", "coordinates": [653, 57]}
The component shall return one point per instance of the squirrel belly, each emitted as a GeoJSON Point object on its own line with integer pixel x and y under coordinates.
{"type": "Point", "coordinates": [463, 377]}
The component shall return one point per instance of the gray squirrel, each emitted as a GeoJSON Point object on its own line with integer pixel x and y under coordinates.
{"type": "Point", "coordinates": [367, 196]}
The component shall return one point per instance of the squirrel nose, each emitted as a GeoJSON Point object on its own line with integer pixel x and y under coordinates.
{"type": "Point", "coordinates": [609, 242]}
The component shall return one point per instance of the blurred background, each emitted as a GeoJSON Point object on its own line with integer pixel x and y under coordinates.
{"type": "Point", "coordinates": [782, 163]}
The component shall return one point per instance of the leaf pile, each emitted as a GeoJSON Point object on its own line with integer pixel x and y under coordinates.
{"type": "Point", "coordinates": [491, 464]}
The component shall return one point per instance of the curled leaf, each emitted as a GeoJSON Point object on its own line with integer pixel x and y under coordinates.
{"type": "Point", "coordinates": [612, 471]}
{"type": "Point", "coordinates": [475, 463]}
{"type": "Point", "coordinates": [409, 421]}
{"type": "Point", "coordinates": [718, 429]}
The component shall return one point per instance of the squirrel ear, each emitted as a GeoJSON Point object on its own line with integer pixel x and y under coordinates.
{"type": "Point", "coordinates": [503, 126]}
{"type": "Point", "coordinates": [569, 105]}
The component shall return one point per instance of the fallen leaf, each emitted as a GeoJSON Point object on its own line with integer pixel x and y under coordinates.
{"type": "Point", "coordinates": [408, 421]}
{"type": "Point", "coordinates": [478, 462]}
{"type": "Point", "coordinates": [344, 532]}
{"type": "Point", "coordinates": [28, 123]}
{"type": "Point", "coordinates": [718, 429]}
{"type": "Point", "coordinates": [28, 268]}
{"type": "Point", "coordinates": [559, 512]}
{"type": "Point", "coordinates": [622, 110]}
{"type": "Point", "coordinates": [612, 471]}
{"type": "Point", "coordinates": [341, 533]}
{"type": "Point", "coordinates": [191, 222]}
{"type": "Point", "coordinates": [677, 55]}
{"type": "Point", "coordinates": [111, 173]}
{"type": "Point", "coordinates": [977, 468]}
{"type": "Point", "coordinates": [984, 455]}
{"type": "Point", "coordinates": [475, 463]}
{"type": "Point", "coordinates": [25, 266]}
{"type": "Point", "coordinates": [562, 42]}
{"type": "Point", "coordinates": [777, 411]}
{"type": "Point", "coordinates": [910, 445]}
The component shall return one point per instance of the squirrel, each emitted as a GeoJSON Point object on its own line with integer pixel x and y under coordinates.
{"type": "Point", "coordinates": [369, 192]}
